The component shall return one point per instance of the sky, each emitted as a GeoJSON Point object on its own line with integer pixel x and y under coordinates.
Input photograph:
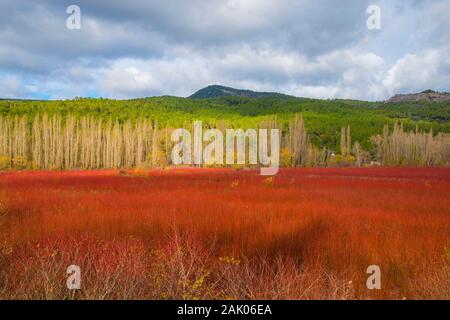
{"type": "Point", "coordinates": [140, 48]}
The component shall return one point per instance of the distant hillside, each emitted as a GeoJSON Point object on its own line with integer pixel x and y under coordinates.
{"type": "Point", "coordinates": [216, 91]}
{"type": "Point", "coordinates": [324, 118]}
{"type": "Point", "coordinates": [427, 95]}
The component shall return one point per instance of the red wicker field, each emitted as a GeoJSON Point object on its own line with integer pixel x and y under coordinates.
{"type": "Point", "coordinates": [213, 233]}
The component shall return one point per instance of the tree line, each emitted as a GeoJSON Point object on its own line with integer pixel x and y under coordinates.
{"type": "Point", "coordinates": [323, 118]}
{"type": "Point", "coordinates": [86, 142]}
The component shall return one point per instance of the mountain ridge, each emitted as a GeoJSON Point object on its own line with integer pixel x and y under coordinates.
{"type": "Point", "coordinates": [215, 91]}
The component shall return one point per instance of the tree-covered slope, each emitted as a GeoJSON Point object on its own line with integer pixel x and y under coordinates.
{"type": "Point", "coordinates": [216, 91]}
{"type": "Point", "coordinates": [323, 118]}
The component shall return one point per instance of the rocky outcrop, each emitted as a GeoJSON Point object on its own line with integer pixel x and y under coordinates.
{"type": "Point", "coordinates": [428, 95]}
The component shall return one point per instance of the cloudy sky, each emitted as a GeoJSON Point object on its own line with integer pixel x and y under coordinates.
{"type": "Point", "coordinates": [139, 48]}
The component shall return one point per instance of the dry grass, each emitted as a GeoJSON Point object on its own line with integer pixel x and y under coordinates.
{"type": "Point", "coordinates": [215, 233]}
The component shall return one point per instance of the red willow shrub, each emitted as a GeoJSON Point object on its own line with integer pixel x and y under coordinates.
{"type": "Point", "coordinates": [219, 233]}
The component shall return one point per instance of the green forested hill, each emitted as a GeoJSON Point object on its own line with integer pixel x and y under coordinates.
{"type": "Point", "coordinates": [216, 91]}
{"type": "Point", "coordinates": [323, 118]}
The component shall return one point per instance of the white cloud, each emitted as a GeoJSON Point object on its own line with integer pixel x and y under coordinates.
{"type": "Point", "coordinates": [413, 72]}
{"type": "Point", "coordinates": [268, 69]}
{"type": "Point", "coordinates": [142, 48]}
{"type": "Point", "coordinates": [12, 87]}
